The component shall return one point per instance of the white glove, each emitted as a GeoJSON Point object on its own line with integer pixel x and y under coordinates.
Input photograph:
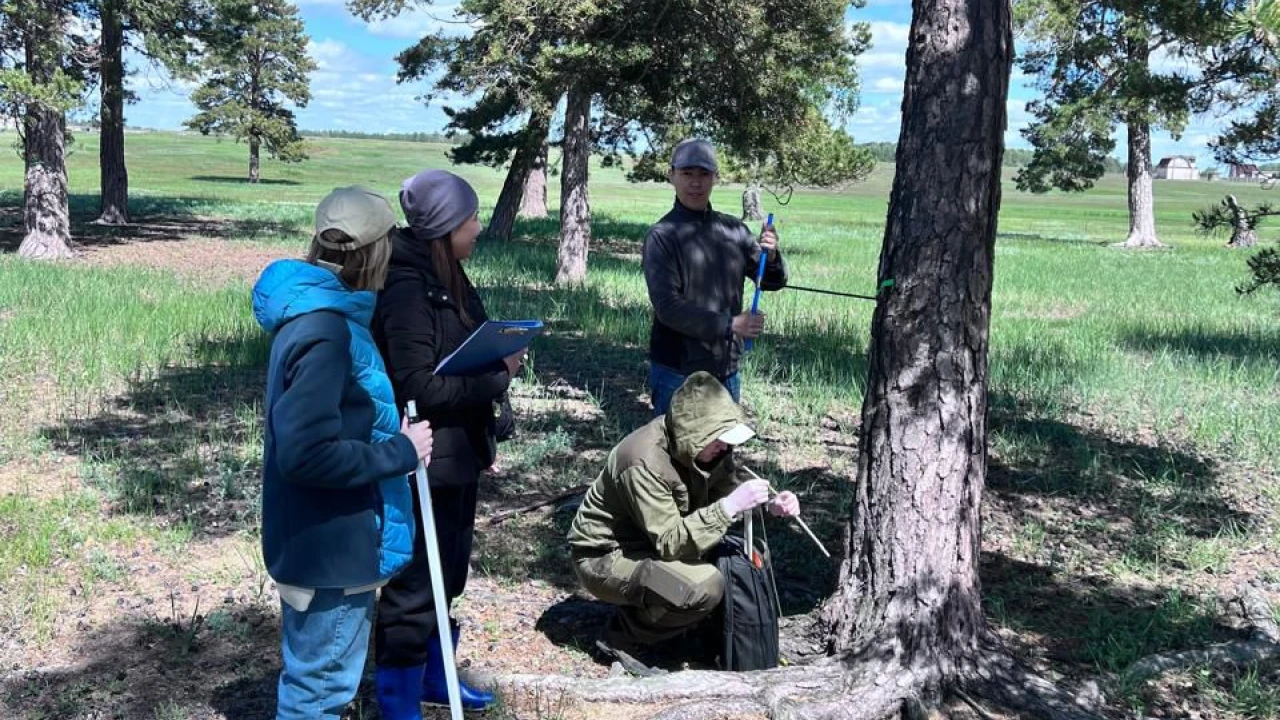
{"type": "Point", "coordinates": [785, 504]}
{"type": "Point", "coordinates": [749, 494]}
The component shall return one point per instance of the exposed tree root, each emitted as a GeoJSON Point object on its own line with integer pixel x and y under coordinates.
{"type": "Point", "coordinates": [973, 704]}
{"type": "Point", "coordinates": [1264, 646]}
{"type": "Point", "coordinates": [1001, 679]}
{"type": "Point", "coordinates": [1230, 654]}
{"type": "Point", "coordinates": [111, 217]}
{"type": "Point", "coordinates": [711, 710]}
{"type": "Point", "coordinates": [1136, 242]}
{"type": "Point", "coordinates": [864, 692]}
{"type": "Point", "coordinates": [871, 686]}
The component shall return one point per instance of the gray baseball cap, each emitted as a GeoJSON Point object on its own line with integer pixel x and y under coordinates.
{"type": "Point", "coordinates": [364, 215]}
{"type": "Point", "coordinates": [694, 153]}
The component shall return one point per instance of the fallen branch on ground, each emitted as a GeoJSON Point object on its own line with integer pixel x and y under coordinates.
{"type": "Point", "coordinates": [500, 517]}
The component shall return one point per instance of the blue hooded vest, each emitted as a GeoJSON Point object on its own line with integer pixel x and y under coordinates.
{"type": "Point", "coordinates": [337, 511]}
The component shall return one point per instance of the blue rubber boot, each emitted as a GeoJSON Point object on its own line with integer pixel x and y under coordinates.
{"type": "Point", "coordinates": [436, 692]}
{"type": "Point", "coordinates": [398, 692]}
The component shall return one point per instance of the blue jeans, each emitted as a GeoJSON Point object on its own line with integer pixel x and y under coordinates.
{"type": "Point", "coordinates": [324, 650]}
{"type": "Point", "coordinates": [664, 381]}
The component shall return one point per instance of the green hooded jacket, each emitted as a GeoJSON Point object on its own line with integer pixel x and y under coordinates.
{"type": "Point", "coordinates": [651, 497]}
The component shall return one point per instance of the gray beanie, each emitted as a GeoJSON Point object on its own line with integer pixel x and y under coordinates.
{"type": "Point", "coordinates": [436, 202]}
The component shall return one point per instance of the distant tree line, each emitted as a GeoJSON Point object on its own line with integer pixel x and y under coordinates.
{"type": "Point", "coordinates": [1013, 157]}
{"type": "Point", "coordinates": [418, 137]}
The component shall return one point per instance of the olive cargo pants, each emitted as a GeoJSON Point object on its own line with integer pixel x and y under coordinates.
{"type": "Point", "coordinates": [659, 599]}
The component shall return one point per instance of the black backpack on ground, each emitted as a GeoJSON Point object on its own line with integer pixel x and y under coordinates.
{"type": "Point", "coordinates": [747, 619]}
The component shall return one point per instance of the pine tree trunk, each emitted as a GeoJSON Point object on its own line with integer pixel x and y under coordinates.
{"type": "Point", "coordinates": [114, 183]}
{"type": "Point", "coordinates": [1242, 233]}
{"type": "Point", "coordinates": [1142, 205]}
{"type": "Point", "coordinates": [575, 208]}
{"type": "Point", "coordinates": [909, 585]}
{"type": "Point", "coordinates": [533, 205]}
{"type": "Point", "coordinates": [504, 212]}
{"type": "Point", "coordinates": [751, 202]}
{"type": "Point", "coordinates": [46, 211]}
{"type": "Point", "coordinates": [254, 147]}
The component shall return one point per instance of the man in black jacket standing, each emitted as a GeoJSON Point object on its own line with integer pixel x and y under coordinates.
{"type": "Point", "coordinates": [696, 262]}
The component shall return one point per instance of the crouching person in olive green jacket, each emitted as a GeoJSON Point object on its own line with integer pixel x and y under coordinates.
{"type": "Point", "coordinates": [665, 499]}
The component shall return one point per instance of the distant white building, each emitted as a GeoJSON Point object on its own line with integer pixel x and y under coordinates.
{"type": "Point", "coordinates": [1177, 167]}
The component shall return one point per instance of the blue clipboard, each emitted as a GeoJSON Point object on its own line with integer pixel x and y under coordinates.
{"type": "Point", "coordinates": [490, 342]}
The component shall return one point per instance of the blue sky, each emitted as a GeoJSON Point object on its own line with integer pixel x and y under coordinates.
{"type": "Point", "coordinates": [354, 87]}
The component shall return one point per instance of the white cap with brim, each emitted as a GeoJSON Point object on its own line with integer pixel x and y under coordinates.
{"type": "Point", "coordinates": [361, 214]}
{"type": "Point", "coordinates": [737, 435]}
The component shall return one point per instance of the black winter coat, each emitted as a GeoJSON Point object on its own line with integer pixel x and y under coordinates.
{"type": "Point", "coordinates": [416, 325]}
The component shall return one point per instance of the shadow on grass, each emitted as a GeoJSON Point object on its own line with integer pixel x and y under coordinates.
{"type": "Point", "coordinates": [1127, 500]}
{"type": "Point", "coordinates": [1202, 344]}
{"type": "Point", "coordinates": [221, 663]}
{"type": "Point", "coordinates": [1050, 239]}
{"type": "Point", "coordinates": [607, 232]}
{"type": "Point", "coordinates": [1093, 623]}
{"type": "Point", "coordinates": [229, 180]}
{"type": "Point", "coordinates": [183, 443]}
{"type": "Point", "coordinates": [153, 218]}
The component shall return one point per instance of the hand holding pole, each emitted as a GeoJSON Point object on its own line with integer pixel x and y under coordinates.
{"type": "Point", "coordinates": [799, 522]}
{"type": "Point", "coordinates": [755, 300]}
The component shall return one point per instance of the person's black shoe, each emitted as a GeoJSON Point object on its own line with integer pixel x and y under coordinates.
{"type": "Point", "coordinates": [614, 644]}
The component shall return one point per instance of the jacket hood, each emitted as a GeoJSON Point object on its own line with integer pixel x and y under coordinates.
{"type": "Point", "coordinates": [291, 288]}
{"type": "Point", "coordinates": [701, 411]}
{"type": "Point", "coordinates": [408, 250]}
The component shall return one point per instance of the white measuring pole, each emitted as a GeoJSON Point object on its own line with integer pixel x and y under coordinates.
{"type": "Point", "coordinates": [443, 630]}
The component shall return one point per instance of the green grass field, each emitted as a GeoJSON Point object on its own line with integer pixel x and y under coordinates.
{"type": "Point", "coordinates": [1135, 401]}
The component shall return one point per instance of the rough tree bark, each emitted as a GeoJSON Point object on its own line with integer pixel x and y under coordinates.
{"type": "Point", "coordinates": [46, 213]}
{"type": "Point", "coordinates": [575, 208]}
{"type": "Point", "coordinates": [1142, 206]}
{"type": "Point", "coordinates": [1242, 233]}
{"type": "Point", "coordinates": [751, 202]}
{"type": "Point", "coordinates": [504, 212]}
{"type": "Point", "coordinates": [909, 587]}
{"type": "Point", "coordinates": [114, 183]}
{"type": "Point", "coordinates": [533, 204]}
{"type": "Point", "coordinates": [255, 146]}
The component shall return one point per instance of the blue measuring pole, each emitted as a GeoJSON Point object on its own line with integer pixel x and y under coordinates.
{"type": "Point", "coordinates": [755, 300]}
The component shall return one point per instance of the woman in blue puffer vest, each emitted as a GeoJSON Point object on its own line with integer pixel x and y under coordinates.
{"type": "Point", "coordinates": [337, 513]}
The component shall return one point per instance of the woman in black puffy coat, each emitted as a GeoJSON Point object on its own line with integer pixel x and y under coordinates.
{"type": "Point", "coordinates": [426, 310]}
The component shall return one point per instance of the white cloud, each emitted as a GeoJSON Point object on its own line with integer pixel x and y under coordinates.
{"type": "Point", "coordinates": [875, 60]}
{"type": "Point", "coordinates": [334, 56]}
{"type": "Point", "coordinates": [1017, 111]}
{"type": "Point", "coordinates": [419, 22]}
{"type": "Point", "coordinates": [890, 34]}
{"type": "Point", "coordinates": [883, 67]}
{"type": "Point", "coordinates": [349, 89]}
